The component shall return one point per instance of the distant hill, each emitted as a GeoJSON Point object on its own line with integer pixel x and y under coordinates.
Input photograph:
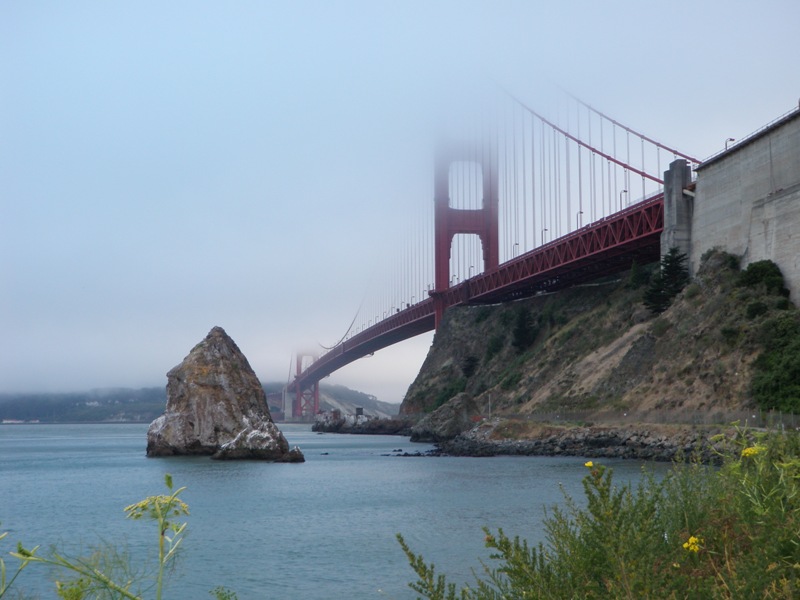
{"type": "Point", "coordinates": [343, 399]}
{"type": "Point", "coordinates": [120, 405]}
{"type": "Point", "coordinates": [143, 405]}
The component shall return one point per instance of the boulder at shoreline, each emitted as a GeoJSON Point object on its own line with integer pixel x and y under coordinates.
{"type": "Point", "coordinates": [217, 407]}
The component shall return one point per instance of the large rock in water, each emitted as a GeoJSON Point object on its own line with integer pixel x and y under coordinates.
{"type": "Point", "coordinates": [216, 406]}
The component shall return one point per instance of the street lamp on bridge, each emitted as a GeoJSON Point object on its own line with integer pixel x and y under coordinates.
{"type": "Point", "coordinates": [578, 219]}
{"type": "Point", "coordinates": [620, 198]}
{"type": "Point", "coordinates": [543, 232]}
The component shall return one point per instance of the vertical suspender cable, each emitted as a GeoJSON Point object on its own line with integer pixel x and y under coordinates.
{"type": "Point", "coordinates": [628, 162]}
{"type": "Point", "coordinates": [592, 178]}
{"type": "Point", "coordinates": [658, 164]}
{"type": "Point", "coordinates": [614, 154]}
{"type": "Point", "coordinates": [602, 174]}
{"type": "Point", "coordinates": [557, 153]}
{"type": "Point", "coordinates": [556, 231]}
{"type": "Point", "coordinates": [524, 190]}
{"type": "Point", "coordinates": [533, 181]}
{"type": "Point", "coordinates": [543, 178]}
{"type": "Point", "coordinates": [516, 172]}
{"type": "Point", "coordinates": [580, 170]}
{"type": "Point", "coordinates": [569, 188]}
{"type": "Point", "coordinates": [643, 190]}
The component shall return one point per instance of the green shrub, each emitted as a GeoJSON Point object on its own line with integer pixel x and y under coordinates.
{"type": "Point", "coordinates": [730, 335]}
{"type": "Point", "coordinates": [525, 330]}
{"type": "Point", "coordinates": [763, 272]}
{"type": "Point", "coordinates": [482, 314]}
{"type": "Point", "coordinates": [776, 379]}
{"type": "Point", "coordinates": [756, 309]}
{"type": "Point", "coordinates": [511, 380]}
{"type": "Point", "coordinates": [469, 365]}
{"type": "Point", "coordinates": [692, 291]}
{"type": "Point", "coordinates": [697, 533]}
{"type": "Point", "coordinates": [495, 344]}
{"type": "Point", "coordinates": [660, 327]}
{"type": "Point", "coordinates": [638, 276]}
{"type": "Point", "coordinates": [453, 388]}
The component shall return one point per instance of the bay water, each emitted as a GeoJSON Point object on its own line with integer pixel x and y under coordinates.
{"type": "Point", "coordinates": [323, 529]}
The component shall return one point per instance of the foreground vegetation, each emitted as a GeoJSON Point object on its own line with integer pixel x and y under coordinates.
{"type": "Point", "coordinates": [700, 532]}
{"type": "Point", "coordinates": [106, 573]}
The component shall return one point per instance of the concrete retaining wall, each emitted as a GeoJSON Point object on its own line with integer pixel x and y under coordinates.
{"type": "Point", "coordinates": [747, 201]}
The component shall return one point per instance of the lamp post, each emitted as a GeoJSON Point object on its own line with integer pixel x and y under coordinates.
{"type": "Point", "coordinates": [620, 198]}
{"type": "Point", "coordinates": [578, 219]}
{"type": "Point", "coordinates": [515, 250]}
{"type": "Point", "coordinates": [728, 141]}
{"type": "Point", "coordinates": [543, 232]}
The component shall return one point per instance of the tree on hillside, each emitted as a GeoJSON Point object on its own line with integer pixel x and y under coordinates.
{"type": "Point", "coordinates": [670, 279]}
{"type": "Point", "coordinates": [638, 276]}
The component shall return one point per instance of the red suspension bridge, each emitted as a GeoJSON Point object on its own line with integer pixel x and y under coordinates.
{"type": "Point", "coordinates": [508, 222]}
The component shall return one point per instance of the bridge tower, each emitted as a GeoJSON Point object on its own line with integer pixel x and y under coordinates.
{"type": "Point", "coordinates": [449, 221]}
{"type": "Point", "coordinates": [306, 401]}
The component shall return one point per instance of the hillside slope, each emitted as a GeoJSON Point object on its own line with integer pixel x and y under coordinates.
{"type": "Point", "coordinates": [595, 349]}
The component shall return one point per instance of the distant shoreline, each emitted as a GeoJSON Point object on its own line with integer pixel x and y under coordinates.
{"type": "Point", "coordinates": [13, 423]}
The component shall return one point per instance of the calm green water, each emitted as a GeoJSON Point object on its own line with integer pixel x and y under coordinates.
{"type": "Point", "coordinates": [319, 530]}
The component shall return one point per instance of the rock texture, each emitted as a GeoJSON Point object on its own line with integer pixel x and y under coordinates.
{"type": "Point", "coordinates": [333, 423]}
{"type": "Point", "coordinates": [447, 421]}
{"type": "Point", "coordinates": [637, 442]}
{"type": "Point", "coordinates": [216, 406]}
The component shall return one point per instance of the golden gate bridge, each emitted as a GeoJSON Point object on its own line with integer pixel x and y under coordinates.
{"type": "Point", "coordinates": [522, 204]}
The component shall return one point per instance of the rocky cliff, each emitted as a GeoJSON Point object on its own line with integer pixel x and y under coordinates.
{"type": "Point", "coordinates": [216, 406]}
{"type": "Point", "coordinates": [594, 351]}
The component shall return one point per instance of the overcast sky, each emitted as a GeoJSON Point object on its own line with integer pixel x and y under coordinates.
{"type": "Point", "coordinates": [166, 167]}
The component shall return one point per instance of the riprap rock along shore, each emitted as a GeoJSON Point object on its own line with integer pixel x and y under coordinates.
{"type": "Point", "coordinates": [639, 441]}
{"type": "Point", "coordinates": [633, 442]}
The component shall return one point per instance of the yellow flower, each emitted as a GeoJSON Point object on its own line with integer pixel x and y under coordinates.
{"type": "Point", "coordinates": [752, 451]}
{"type": "Point", "coordinates": [693, 544]}
{"type": "Point", "coordinates": [588, 464]}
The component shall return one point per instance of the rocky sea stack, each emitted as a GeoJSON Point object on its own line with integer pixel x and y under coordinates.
{"type": "Point", "coordinates": [217, 407]}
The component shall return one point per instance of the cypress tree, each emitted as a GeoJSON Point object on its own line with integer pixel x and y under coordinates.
{"type": "Point", "coordinates": [671, 278]}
